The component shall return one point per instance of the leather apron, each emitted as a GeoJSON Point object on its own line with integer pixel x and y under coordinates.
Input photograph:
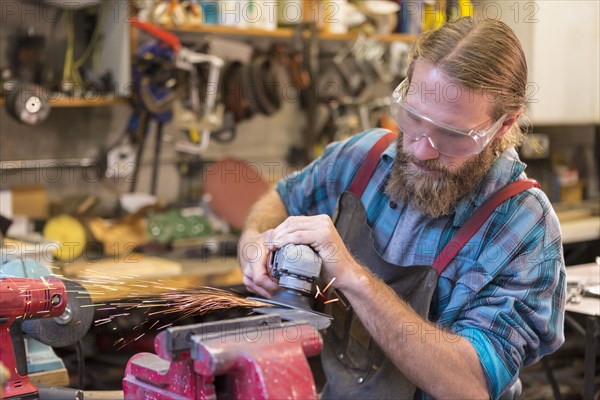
{"type": "Point", "coordinates": [354, 364]}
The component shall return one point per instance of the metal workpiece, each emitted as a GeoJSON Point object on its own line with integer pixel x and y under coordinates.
{"type": "Point", "coordinates": [177, 339]}
{"type": "Point", "coordinates": [317, 320]}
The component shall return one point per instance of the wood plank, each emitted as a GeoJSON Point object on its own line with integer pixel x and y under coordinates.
{"type": "Point", "coordinates": [103, 395]}
{"type": "Point", "coordinates": [57, 377]}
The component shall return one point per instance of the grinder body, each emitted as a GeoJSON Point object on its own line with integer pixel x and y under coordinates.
{"type": "Point", "coordinates": [21, 299]}
{"type": "Point", "coordinates": [297, 267]}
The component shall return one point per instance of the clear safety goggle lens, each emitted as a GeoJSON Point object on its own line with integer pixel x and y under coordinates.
{"type": "Point", "coordinates": [446, 139]}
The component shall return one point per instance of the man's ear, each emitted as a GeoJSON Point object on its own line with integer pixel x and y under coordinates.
{"type": "Point", "coordinates": [508, 123]}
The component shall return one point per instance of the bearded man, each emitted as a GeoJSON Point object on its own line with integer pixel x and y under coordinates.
{"type": "Point", "coordinates": [448, 260]}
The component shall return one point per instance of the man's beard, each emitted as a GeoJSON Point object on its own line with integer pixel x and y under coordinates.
{"type": "Point", "coordinates": [437, 193]}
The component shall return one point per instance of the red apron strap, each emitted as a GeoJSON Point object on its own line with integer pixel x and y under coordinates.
{"type": "Point", "coordinates": [466, 232]}
{"type": "Point", "coordinates": [367, 168]}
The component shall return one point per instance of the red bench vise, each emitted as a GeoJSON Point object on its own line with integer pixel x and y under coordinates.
{"type": "Point", "coordinates": [258, 357]}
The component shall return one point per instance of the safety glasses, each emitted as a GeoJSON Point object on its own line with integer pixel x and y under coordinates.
{"type": "Point", "coordinates": [444, 138]}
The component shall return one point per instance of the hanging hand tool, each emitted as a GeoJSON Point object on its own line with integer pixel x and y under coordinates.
{"type": "Point", "coordinates": [154, 77]}
{"type": "Point", "coordinates": [202, 116]}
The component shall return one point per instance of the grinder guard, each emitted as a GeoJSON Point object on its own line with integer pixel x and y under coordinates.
{"type": "Point", "coordinates": [297, 267]}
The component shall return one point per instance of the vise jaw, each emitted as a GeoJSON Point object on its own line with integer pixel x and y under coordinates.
{"type": "Point", "coordinates": [259, 357]}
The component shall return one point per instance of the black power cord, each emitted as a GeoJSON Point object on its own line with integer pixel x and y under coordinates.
{"type": "Point", "coordinates": [80, 365]}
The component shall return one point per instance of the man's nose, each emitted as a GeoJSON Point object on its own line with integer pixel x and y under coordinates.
{"type": "Point", "coordinates": [423, 149]}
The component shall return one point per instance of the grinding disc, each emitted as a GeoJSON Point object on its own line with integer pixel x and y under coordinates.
{"type": "Point", "coordinates": [70, 327]}
{"type": "Point", "coordinates": [68, 233]}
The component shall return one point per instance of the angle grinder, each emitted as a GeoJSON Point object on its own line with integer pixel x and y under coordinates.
{"type": "Point", "coordinates": [55, 312]}
{"type": "Point", "coordinates": [297, 267]}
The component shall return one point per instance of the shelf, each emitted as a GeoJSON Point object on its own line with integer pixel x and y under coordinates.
{"type": "Point", "coordinates": [230, 30]}
{"type": "Point", "coordinates": [279, 33]}
{"type": "Point", "coordinates": [391, 37]}
{"type": "Point", "coordinates": [64, 101]}
{"type": "Point", "coordinates": [84, 102]}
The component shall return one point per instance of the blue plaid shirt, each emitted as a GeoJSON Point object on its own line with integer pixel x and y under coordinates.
{"type": "Point", "coordinates": [504, 291]}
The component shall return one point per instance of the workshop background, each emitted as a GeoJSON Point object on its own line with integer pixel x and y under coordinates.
{"type": "Point", "coordinates": [130, 154]}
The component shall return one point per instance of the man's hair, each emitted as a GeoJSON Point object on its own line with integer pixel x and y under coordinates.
{"type": "Point", "coordinates": [482, 55]}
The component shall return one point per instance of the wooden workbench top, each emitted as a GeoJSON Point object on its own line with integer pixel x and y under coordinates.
{"type": "Point", "coordinates": [584, 275]}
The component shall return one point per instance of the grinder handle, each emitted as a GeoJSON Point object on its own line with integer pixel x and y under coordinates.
{"type": "Point", "coordinates": [59, 393]}
{"type": "Point", "coordinates": [18, 344]}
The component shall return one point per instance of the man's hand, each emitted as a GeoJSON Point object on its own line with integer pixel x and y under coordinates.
{"type": "Point", "coordinates": [253, 253]}
{"type": "Point", "coordinates": [253, 256]}
{"type": "Point", "coordinates": [320, 233]}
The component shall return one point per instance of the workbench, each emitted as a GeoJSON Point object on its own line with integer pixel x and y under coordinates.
{"type": "Point", "coordinates": [580, 304]}
{"type": "Point", "coordinates": [580, 230]}
{"type": "Point", "coordinates": [582, 277]}
{"type": "Point", "coordinates": [580, 235]}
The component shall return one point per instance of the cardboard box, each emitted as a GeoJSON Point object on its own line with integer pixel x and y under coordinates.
{"type": "Point", "coordinates": [31, 201]}
{"type": "Point", "coordinates": [572, 194]}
